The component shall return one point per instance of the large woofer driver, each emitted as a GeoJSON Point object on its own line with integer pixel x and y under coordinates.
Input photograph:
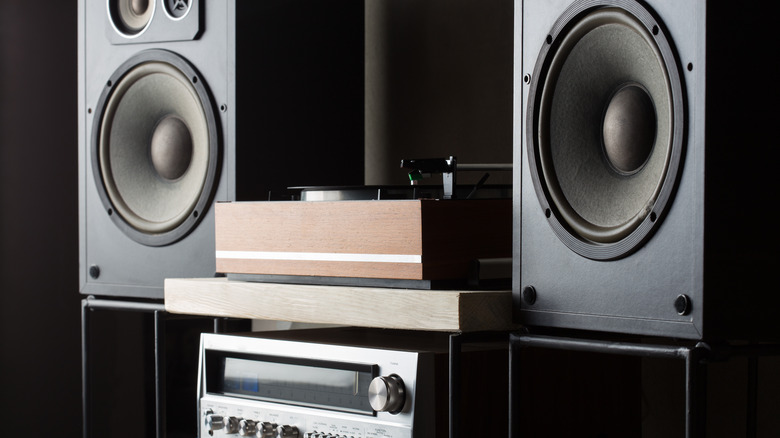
{"type": "Point", "coordinates": [605, 127]}
{"type": "Point", "coordinates": [155, 148]}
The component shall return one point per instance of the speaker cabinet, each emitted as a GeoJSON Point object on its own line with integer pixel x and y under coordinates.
{"type": "Point", "coordinates": [184, 103]}
{"type": "Point", "coordinates": [642, 137]}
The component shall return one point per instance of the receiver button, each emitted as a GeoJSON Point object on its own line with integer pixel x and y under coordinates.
{"type": "Point", "coordinates": [287, 431]}
{"type": "Point", "coordinates": [232, 425]}
{"type": "Point", "coordinates": [247, 427]}
{"type": "Point", "coordinates": [214, 422]}
{"type": "Point", "coordinates": [267, 430]}
{"type": "Point", "coordinates": [387, 394]}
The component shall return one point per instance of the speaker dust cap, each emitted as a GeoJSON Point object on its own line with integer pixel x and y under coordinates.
{"type": "Point", "coordinates": [605, 127]}
{"type": "Point", "coordinates": [155, 148]}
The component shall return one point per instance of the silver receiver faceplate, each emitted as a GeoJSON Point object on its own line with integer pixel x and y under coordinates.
{"type": "Point", "coordinates": [315, 384]}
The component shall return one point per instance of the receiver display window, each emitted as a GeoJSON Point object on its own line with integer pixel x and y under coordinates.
{"type": "Point", "coordinates": [300, 384]}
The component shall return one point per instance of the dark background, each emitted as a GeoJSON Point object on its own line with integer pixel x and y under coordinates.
{"type": "Point", "coordinates": [40, 304]}
{"type": "Point", "coordinates": [40, 344]}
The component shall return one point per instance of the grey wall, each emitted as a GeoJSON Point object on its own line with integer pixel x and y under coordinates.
{"type": "Point", "coordinates": [438, 83]}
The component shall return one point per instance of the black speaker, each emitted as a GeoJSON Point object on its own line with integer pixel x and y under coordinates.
{"type": "Point", "coordinates": [184, 103]}
{"type": "Point", "coordinates": [643, 134]}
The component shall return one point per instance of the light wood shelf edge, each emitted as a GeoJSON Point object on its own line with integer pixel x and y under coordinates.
{"type": "Point", "coordinates": [437, 310]}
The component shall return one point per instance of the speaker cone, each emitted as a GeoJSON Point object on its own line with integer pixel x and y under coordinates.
{"type": "Point", "coordinates": [155, 148]}
{"type": "Point", "coordinates": [604, 127]}
{"type": "Point", "coordinates": [130, 17]}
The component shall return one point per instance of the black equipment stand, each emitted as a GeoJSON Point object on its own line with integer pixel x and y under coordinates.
{"type": "Point", "coordinates": [695, 355]}
{"type": "Point", "coordinates": [457, 340]}
{"type": "Point", "coordinates": [90, 304]}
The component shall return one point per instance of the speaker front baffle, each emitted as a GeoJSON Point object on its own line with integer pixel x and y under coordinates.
{"type": "Point", "coordinates": [643, 152]}
{"type": "Point", "coordinates": [184, 103]}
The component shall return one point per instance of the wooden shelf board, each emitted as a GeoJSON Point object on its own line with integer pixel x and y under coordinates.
{"type": "Point", "coordinates": [437, 310]}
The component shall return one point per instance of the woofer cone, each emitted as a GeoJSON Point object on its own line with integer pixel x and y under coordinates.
{"type": "Point", "coordinates": [155, 148]}
{"type": "Point", "coordinates": [605, 127]}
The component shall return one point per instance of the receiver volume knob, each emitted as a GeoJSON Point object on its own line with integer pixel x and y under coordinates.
{"type": "Point", "coordinates": [387, 394]}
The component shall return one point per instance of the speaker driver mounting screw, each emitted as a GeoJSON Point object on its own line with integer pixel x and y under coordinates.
{"type": "Point", "coordinates": [94, 271]}
{"type": "Point", "coordinates": [527, 79]}
{"type": "Point", "coordinates": [682, 305]}
{"type": "Point", "coordinates": [529, 295]}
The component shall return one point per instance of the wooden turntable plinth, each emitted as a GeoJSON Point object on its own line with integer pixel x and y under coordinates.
{"type": "Point", "coordinates": [420, 239]}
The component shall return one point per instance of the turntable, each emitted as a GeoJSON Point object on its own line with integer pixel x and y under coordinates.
{"type": "Point", "coordinates": [415, 237]}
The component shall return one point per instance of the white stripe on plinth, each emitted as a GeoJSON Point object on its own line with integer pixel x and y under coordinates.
{"type": "Point", "coordinates": [320, 256]}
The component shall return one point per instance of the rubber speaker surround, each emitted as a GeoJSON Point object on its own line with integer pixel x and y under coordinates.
{"type": "Point", "coordinates": [592, 51]}
{"type": "Point", "coordinates": [146, 89]}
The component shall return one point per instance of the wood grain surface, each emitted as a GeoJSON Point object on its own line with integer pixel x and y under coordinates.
{"type": "Point", "coordinates": [442, 310]}
{"type": "Point", "coordinates": [445, 235]}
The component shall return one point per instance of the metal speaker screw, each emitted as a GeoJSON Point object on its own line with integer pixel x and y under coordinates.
{"type": "Point", "coordinates": [94, 271]}
{"type": "Point", "coordinates": [682, 305]}
{"type": "Point", "coordinates": [529, 295]}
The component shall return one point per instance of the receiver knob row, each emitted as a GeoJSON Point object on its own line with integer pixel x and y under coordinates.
{"type": "Point", "coordinates": [325, 435]}
{"type": "Point", "coordinates": [244, 427]}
